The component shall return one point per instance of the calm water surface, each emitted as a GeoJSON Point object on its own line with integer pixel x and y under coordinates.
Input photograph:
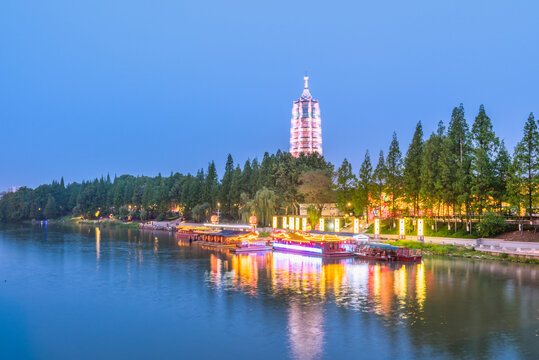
{"type": "Point", "coordinates": [73, 292]}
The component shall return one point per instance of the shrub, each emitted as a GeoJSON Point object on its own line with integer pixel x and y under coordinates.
{"type": "Point", "coordinates": [491, 225]}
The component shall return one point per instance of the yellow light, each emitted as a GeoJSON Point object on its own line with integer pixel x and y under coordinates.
{"type": "Point", "coordinates": [356, 226]}
{"type": "Point", "coordinates": [275, 222]}
{"type": "Point", "coordinates": [304, 224]}
{"type": "Point", "coordinates": [321, 225]}
{"type": "Point", "coordinates": [401, 227]}
{"type": "Point", "coordinates": [349, 204]}
{"type": "Point", "coordinates": [337, 225]}
{"type": "Point", "coordinates": [420, 227]}
{"type": "Point", "coordinates": [291, 222]}
{"type": "Point", "coordinates": [284, 222]}
{"type": "Point", "coordinates": [376, 226]}
{"type": "Point", "coordinates": [297, 223]}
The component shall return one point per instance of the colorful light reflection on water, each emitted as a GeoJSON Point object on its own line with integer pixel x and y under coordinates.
{"type": "Point", "coordinates": [78, 292]}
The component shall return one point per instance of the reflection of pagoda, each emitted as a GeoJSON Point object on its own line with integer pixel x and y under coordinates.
{"type": "Point", "coordinates": [306, 128]}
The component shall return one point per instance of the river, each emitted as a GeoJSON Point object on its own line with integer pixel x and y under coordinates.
{"type": "Point", "coordinates": [77, 292]}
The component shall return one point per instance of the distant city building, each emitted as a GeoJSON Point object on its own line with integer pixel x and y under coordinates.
{"type": "Point", "coordinates": [306, 128]}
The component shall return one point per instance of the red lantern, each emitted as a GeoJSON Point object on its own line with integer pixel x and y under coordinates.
{"type": "Point", "coordinates": [214, 219]}
{"type": "Point", "coordinates": [253, 220]}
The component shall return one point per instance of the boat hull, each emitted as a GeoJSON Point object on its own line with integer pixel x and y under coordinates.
{"type": "Point", "coordinates": [393, 258]}
{"type": "Point", "coordinates": [308, 251]}
{"type": "Point", "coordinates": [251, 249]}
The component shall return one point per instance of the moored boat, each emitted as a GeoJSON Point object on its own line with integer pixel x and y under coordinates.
{"type": "Point", "coordinates": [314, 244]}
{"type": "Point", "coordinates": [386, 252]}
{"type": "Point", "coordinates": [247, 245]}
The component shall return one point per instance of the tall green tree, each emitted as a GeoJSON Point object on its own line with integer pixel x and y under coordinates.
{"type": "Point", "coordinates": [412, 168]}
{"type": "Point", "coordinates": [364, 185]}
{"type": "Point", "coordinates": [394, 172]}
{"type": "Point", "coordinates": [485, 144]}
{"type": "Point", "coordinates": [211, 186]}
{"type": "Point", "coordinates": [51, 209]}
{"type": "Point", "coordinates": [458, 155]}
{"type": "Point", "coordinates": [502, 166]}
{"type": "Point", "coordinates": [226, 185]}
{"type": "Point", "coordinates": [526, 169]}
{"type": "Point", "coordinates": [430, 170]}
{"type": "Point", "coordinates": [379, 176]}
{"type": "Point", "coordinates": [346, 181]}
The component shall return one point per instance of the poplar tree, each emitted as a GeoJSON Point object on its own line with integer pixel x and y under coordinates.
{"type": "Point", "coordinates": [430, 167]}
{"type": "Point", "coordinates": [526, 168]}
{"type": "Point", "coordinates": [211, 186]}
{"type": "Point", "coordinates": [501, 176]}
{"type": "Point", "coordinates": [459, 149]}
{"type": "Point", "coordinates": [379, 176]}
{"type": "Point", "coordinates": [485, 143]}
{"type": "Point", "coordinates": [226, 184]}
{"type": "Point", "coordinates": [345, 185]}
{"type": "Point", "coordinates": [394, 171]}
{"type": "Point", "coordinates": [412, 168]}
{"type": "Point", "coordinates": [364, 185]}
{"type": "Point", "coordinates": [246, 178]}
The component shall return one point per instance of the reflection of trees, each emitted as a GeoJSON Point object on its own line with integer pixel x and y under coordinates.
{"type": "Point", "coordinates": [445, 307]}
{"type": "Point", "coordinates": [475, 311]}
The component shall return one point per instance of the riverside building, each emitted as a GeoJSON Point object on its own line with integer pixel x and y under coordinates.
{"type": "Point", "coordinates": [306, 128]}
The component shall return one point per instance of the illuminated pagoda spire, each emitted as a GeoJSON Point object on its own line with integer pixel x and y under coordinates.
{"type": "Point", "coordinates": [305, 128]}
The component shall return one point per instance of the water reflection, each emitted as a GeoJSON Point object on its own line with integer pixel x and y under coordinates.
{"type": "Point", "coordinates": [351, 283]}
{"type": "Point", "coordinates": [314, 307]}
{"type": "Point", "coordinates": [97, 242]}
{"type": "Point", "coordinates": [306, 330]}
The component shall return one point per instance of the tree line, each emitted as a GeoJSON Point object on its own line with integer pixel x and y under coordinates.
{"type": "Point", "coordinates": [456, 171]}
{"type": "Point", "coordinates": [263, 188]}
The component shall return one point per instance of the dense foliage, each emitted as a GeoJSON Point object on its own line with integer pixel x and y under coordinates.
{"type": "Point", "coordinates": [266, 188]}
{"type": "Point", "coordinates": [456, 171]}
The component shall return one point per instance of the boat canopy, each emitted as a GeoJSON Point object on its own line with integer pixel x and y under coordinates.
{"type": "Point", "coordinates": [307, 237]}
{"type": "Point", "coordinates": [382, 246]}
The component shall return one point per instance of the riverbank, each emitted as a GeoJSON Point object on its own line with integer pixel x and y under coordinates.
{"type": "Point", "coordinates": [461, 251]}
{"type": "Point", "coordinates": [107, 223]}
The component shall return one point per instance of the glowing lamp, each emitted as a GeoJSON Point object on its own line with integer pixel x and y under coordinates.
{"type": "Point", "coordinates": [304, 224]}
{"type": "Point", "coordinates": [376, 226]}
{"type": "Point", "coordinates": [253, 220]}
{"type": "Point", "coordinates": [337, 225]}
{"type": "Point", "coordinates": [297, 223]}
{"type": "Point", "coordinates": [275, 222]}
{"type": "Point", "coordinates": [284, 222]}
{"type": "Point", "coordinates": [356, 226]}
{"type": "Point", "coordinates": [291, 223]}
{"type": "Point", "coordinates": [420, 229]}
{"type": "Point", "coordinates": [401, 229]}
{"type": "Point", "coordinates": [214, 219]}
{"type": "Point", "coordinates": [321, 225]}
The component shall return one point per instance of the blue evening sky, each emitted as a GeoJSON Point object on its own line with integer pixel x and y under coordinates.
{"type": "Point", "coordinates": [140, 87]}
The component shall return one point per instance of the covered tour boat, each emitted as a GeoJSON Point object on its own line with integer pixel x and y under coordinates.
{"type": "Point", "coordinates": [193, 233]}
{"type": "Point", "coordinates": [386, 252]}
{"type": "Point", "coordinates": [252, 244]}
{"type": "Point", "coordinates": [315, 244]}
